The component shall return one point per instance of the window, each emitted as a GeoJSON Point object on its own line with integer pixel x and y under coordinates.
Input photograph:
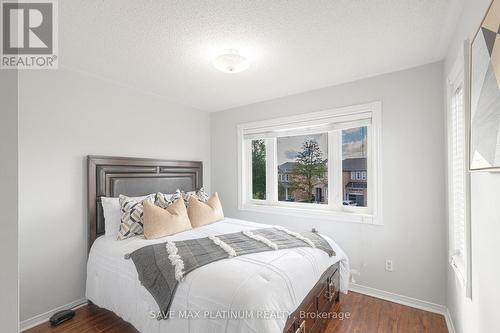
{"type": "Point", "coordinates": [354, 157]}
{"type": "Point", "coordinates": [303, 160]}
{"type": "Point", "coordinates": [258, 169]}
{"type": "Point", "coordinates": [458, 176]}
{"type": "Point", "coordinates": [458, 172]}
{"type": "Point", "coordinates": [323, 164]}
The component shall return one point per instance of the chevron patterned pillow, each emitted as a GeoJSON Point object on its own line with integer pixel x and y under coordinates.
{"type": "Point", "coordinates": [200, 194]}
{"type": "Point", "coordinates": [163, 200]}
{"type": "Point", "coordinates": [132, 220]}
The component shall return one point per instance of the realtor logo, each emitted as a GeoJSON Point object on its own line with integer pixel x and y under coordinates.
{"type": "Point", "coordinates": [29, 34]}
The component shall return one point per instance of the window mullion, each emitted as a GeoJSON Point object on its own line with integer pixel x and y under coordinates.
{"type": "Point", "coordinates": [370, 165]}
{"type": "Point", "coordinates": [271, 171]}
{"type": "Point", "coordinates": [334, 170]}
{"type": "Point", "coordinates": [247, 146]}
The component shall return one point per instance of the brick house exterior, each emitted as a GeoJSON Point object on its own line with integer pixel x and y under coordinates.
{"type": "Point", "coordinates": [354, 180]}
{"type": "Point", "coordinates": [285, 171]}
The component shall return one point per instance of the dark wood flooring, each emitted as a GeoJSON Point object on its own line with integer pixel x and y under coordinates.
{"type": "Point", "coordinates": [367, 315]}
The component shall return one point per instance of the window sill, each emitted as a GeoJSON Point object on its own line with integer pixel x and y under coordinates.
{"type": "Point", "coordinates": [323, 214]}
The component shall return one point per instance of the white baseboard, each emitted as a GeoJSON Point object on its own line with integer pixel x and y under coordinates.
{"type": "Point", "coordinates": [405, 300]}
{"type": "Point", "coordinates": [42, 318]}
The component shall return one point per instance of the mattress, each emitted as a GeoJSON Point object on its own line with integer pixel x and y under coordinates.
{"type": "Point", "coordinates": [250, 293]}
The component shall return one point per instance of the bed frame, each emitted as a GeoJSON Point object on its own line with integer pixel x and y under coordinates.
{"type": "Point", "coordinates": [111, 176]}
{"type": "Point", "coordinates": [315, 311]}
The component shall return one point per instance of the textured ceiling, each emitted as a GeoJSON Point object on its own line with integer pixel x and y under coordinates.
{"type": "Point", "coordinates": [166, 47]}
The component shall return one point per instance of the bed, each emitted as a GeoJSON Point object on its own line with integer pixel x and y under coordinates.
{"type": "Point", "coordinates": [262, 292]}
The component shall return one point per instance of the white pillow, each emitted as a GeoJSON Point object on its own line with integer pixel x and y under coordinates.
{"type": "Point", "coordinates": [113, 214]}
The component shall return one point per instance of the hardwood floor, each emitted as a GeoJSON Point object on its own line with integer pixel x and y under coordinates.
{"type": "Point", "coordinates": [367, 315]}
{"type": "Point", "coordinates": [373, 315]}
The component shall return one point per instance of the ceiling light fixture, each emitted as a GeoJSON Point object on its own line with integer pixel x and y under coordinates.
{"type": "Point", "coordinates": [231, 62]}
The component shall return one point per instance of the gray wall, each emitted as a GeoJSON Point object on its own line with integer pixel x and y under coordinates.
{"type": "Point", "coordinates": [65, 116]}
{"type": "Point", "coordinates": [481, 313]}
{"type": "Point", "coordinates": [9, 302]}
{"type": "Point", "coordinates": [414, 233]}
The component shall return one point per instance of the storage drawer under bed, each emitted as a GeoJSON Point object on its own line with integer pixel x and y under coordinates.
{"type": "Point", "coordinates": [313, 311]}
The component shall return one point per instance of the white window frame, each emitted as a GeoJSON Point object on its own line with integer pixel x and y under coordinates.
{"type": "Point", "coordinates": [460, 262]}
{"type": "Point", "coordinates": [334, 210]}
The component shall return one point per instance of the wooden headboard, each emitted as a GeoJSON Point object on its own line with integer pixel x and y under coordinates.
{"type": "Point", "coordinates": [112, 176]}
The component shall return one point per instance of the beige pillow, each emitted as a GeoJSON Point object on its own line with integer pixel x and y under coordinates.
{"type": "Point", "coordinates": [201, 213]}
{"type": "Point", "coordinates": [159, 222]}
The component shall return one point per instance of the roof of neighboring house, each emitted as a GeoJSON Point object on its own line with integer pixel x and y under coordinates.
{"type": "Point", "coordinates": [286, 167]}
{"type": "Point", "coordinates": [358, 163]}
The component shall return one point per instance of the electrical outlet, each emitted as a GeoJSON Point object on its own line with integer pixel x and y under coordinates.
{"type": "Point", "coordinates": [388, 265]}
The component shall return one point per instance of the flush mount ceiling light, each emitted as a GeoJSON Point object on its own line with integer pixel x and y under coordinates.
{"type": "Point", "coordinates": [231, 62]}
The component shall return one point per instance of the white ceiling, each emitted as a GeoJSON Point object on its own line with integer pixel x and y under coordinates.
{"type": "Point", "coordinates": [165, 47]}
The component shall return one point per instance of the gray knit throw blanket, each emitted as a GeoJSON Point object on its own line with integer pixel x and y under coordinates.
{"type": "Point", "coordinates": [162, 266]}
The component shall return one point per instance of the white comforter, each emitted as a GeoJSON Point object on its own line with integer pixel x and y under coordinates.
{"type": "Point", "coordinates": [251, 293]}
